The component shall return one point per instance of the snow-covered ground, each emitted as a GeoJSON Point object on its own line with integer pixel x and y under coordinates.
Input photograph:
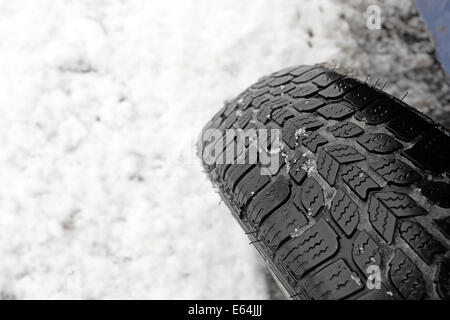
{"type": "Point", "coordinates": [101, 103]}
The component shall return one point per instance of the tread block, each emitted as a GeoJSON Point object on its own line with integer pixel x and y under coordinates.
{"type": "Point", "coordinates": [443, 225]}
{"type": "Point", "coordinates": [278, 81]}
{"type": "Point", "coordinates": [265, 112]}
{"type": "Point", "coordinates": [382, 220]}
{"type": "Point", "coordinates": [217, 119]}
{"type": "Point", "coordinates": [299, 70]}
{"type": "Point", "coordinates": [281, 224]}
{"type": "Point", "coordinates": [252, 125]}
{"type": "Point", "coordinates": [307, 105]}
{"type": "Point", "coordinates": [381, 294]}
{"type": "Point", "coordinates": [437, 192]}
{"type": "Point", "coordinates": [345, 130]}
{"type": "Point", "coordinates": [443, 279]}
{"type": "Point", "coordinates": [295, 168]}
{"type": "Point", "coordinates": [283, 89]}
{"type": "Point", "coordinates": [431, 152]}
{"type": "Point", "coordinates": [268, 200]}
{"type": "Point", "coordinates": [395, 172]}
{"type": "Point", "coordinates": [219, 158]}
{"type": "Point", "coordinates": [288, 70]}
{"type": "Point", "coordinates": [292, 125]}
{"type": "Point", "coordinates": [280, 116]}
{"type": "Point", "coordinates": [221, 169]}
{"type": "Point", "coordinates": [259, 92]}
{"type": "Point", "coordinates": [250, 185]}
{"type": "Point", "coordinates": [262, 82]}
{"type": "Point", "coordinates": [362, 96]}
{"type": "Point", "coordinates": [236, 173]}
{"type": "Point", "coordinates": [327, 78]}
{"type": "Point", "coordinates": [336, 111]}
{"type": "Point", "coordinates": [244, 119]}
{"type": "Point", "coordinates": [407, 125]}
{"type": "Point", "coordinates": [378, 143]}
{"type": "Point", "coordinates": [345, 212]}
{"type": "Point", "coordinates": [312, 141]}
{"type": "Point", "coordinates": [298, 175]}
{"type": "Point", "coordinates": [378, 112]}
{"type": "Point", "coordinates": [400, 204]}
{"type": "Point", "coordinates": [209, 138]}
{"type": "Point", "coordinates": [406, 277]}
{"type": "Point", "coordinates": [245, 102]}
{"type": "Point", "coordinates": [304, 90]}
{"type": "Point", "coordinates": [336, 281]}
{"type": "Point", "coordinates": [327, 167]}
{"type": "Point", "coordinates": [272, 170]}
{"type": "Point", "coordinates": [359, 181]}
{"type": "Point", "coordinates": [315, 245]}
{"type": "Point", "coordinates": [243, 98]}
{"type": "Point", "coordinates": [312, 196]}
{"type": "Point", "coordinates": [421, 241]}
{"type": "Point", "coordinates": [365, 252]}
{"type": "Point", "coordinates": [308, 75]}
{"type": "Point", "coordinates": [287, 210]}
{"type": "Point", "coordinates": [344, 153]}
{"type": "Point", "coordinates": [339, 88]}
{"type": "Point", "coordinates": [257, 102]}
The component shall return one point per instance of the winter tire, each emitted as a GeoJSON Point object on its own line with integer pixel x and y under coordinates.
{"type": "Point", "coordinates": [359, 207]}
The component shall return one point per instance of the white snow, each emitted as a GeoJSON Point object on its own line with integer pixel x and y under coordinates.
{"type": "Point", "coordinates": [101, 103]}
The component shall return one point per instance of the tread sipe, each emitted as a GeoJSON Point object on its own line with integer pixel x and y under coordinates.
{"type": "Point", "coordinates": [362, 192]}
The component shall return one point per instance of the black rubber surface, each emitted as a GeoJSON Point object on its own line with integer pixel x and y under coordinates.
{"type": "Point", "coordinates": [365, 183]}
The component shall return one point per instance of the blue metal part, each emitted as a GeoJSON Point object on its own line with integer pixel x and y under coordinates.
{"type": "Point", "coordinates": [436, 14]}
